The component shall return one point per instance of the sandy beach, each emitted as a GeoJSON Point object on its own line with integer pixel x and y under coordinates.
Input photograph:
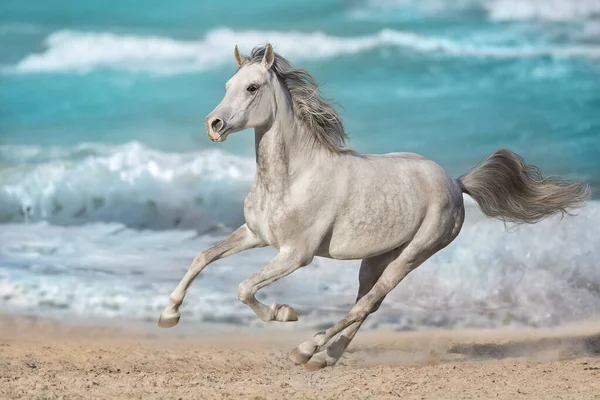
{"type": "Point", "coordinates": [44, 359]}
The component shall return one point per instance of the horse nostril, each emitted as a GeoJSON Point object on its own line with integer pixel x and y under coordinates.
{"type": "Point", "coordinates": [217, 124]}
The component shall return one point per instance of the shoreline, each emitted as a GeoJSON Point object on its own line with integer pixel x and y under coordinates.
{"type": "Point", "coordinates": [539, 275]}
{"type": "Point", "coordinates": [43, 358]}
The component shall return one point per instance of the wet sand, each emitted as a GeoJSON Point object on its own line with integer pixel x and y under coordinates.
{"type": "Point", "coordinates": [44, 359]}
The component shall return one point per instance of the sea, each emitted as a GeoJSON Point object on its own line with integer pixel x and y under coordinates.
{"type": "Point", "coordinates": [109, 185]}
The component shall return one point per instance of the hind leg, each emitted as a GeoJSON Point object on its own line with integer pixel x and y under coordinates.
{"type": "Point", "coordinates": [432, 237]}
{"type": "Point", "coordinates": [370, 271]}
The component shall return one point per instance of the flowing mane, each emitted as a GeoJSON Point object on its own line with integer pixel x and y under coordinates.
{"type": "Point", "coordinates": [320, 118]}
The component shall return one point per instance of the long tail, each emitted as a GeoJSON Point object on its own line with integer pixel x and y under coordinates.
{"type": "Point", "coordinates": [505, 187]}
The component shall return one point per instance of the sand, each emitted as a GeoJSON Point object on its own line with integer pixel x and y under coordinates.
{"type": "Point", "coordinates": [44, 359]}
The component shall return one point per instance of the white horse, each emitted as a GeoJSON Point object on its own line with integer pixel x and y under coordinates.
{"type": "Point", "coordinates": [314, 197]}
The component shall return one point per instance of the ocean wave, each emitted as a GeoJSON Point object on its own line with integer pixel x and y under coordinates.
{"type": "Point", "coordinates": [545, 274]}
{"type": "Point", "coordinates": [411, 9]}
{"type": "Point", "coordinates": [495, 10]}
{"type": "Point", "coordinates": [73, 51]}
{"type": "Point", "coordinates": [543, 10]}
{"type": "Point", "coordinates": [129, 183]}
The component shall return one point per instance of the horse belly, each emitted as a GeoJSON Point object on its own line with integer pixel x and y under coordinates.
{"type": "Point", "coordinates": [362, 239]}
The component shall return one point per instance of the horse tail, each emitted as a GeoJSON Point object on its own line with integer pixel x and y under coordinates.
{"type": "Point", "coordinates": [507, 188]}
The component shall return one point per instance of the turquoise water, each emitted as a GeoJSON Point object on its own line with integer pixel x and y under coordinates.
{"type": "Point", "coordinates": [101, 134]}
{"type": "Point", "coordinates": [456, 83]}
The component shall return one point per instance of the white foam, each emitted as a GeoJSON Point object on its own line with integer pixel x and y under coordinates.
{"type": "Point", "coordinates": [410, 9]}
{"type": "Point", "coordinates": [73, 51]}
{"type": "Point", "coordinates": [544, 10]}
{"type": "Point", "coordinates": [127, 183]}
{"type": "Point", "coordinates": [496, 10]}
{"type": "Point", "coordinates": [542, 275]}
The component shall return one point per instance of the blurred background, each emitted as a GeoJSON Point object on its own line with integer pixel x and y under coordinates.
{"type": "Point", "coordinates": [109, 186]}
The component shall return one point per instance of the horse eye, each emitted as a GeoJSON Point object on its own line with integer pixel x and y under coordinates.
{"type": "Point", "coordinates": [252, 88]}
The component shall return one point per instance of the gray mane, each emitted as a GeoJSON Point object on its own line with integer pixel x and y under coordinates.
{"type": "Point", "coordinates": [321, 119]}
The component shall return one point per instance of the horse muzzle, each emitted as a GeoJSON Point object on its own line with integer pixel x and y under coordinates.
{"type": "Point", "coordinates": [216, 129]}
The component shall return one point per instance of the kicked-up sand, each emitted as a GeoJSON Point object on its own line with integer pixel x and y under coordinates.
{"type": "Point", "coordinates": [45, 359]}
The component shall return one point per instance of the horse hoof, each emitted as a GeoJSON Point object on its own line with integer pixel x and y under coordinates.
{"type": "Point", "coordinates": [286, 313]}
{"type": "Point", "coordinates": [315, 365]}
{"type": "Point", "coordinates": [298, 357]}
{"type": "Point", "coordinates": [167, 320]}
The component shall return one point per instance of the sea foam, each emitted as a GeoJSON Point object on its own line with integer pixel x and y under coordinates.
{"type": "Point", "coordinates": [495, 10]}
{"type": "Point", "coordinates": [540, 275]}
{"type": "Point", "coordinates": [82, 52]}
{"type": "Point", "coordinates": [130, 183]}
{"type": "Point", "coordinates": [107, 231]}
{"type": "Point", "coordinates": [544, 10]}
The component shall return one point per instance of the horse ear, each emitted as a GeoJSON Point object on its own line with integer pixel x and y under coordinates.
{"type": "Point", "coordinates": [269, 56]}
{"type": "Point", "coordinates": [239, 59]}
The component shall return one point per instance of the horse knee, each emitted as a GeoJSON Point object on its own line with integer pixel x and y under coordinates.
{"type": "Point", "coordinates": [245, 292]}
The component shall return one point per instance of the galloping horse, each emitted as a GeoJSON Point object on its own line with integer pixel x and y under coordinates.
{"type": "Point", "coordinates": [312, 196]}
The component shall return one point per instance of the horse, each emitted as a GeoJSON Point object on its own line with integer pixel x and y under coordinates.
{"type": "Point", "coordinates": [314, 196]}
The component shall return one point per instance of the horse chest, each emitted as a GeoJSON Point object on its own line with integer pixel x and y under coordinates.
{"type": "Point", "coordinates": [257, 212]}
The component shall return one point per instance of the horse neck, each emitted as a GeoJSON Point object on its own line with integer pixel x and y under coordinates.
{"type": "Point", "coordinates": [284, 150]}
